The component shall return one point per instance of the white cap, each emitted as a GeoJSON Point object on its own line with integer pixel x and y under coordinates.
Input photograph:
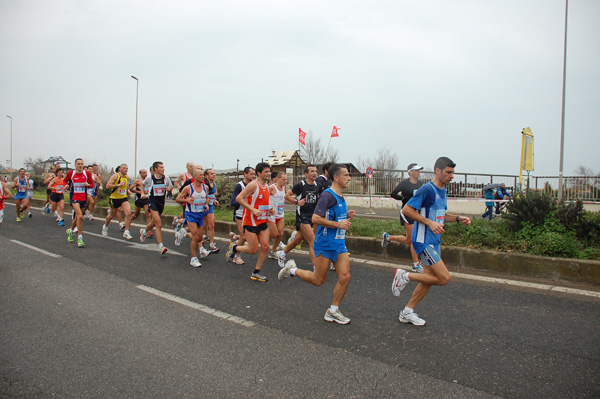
{"type": "Point", "coordinates": [414, 166]}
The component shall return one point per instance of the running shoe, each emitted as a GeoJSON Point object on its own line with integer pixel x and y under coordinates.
{"type": "Point", "coordinates": [237, 259]}
{"type": "Point", "coordinates": [206, 238]}
{"type": "Point", "coordinates": [18, 218]}
{"type": "Point", "coordinates": [258, 277]}
{"type": "Point", "coordinates": [104, 230]}
{"type": "Point", "coordinates": [233, 237]}
{"type": "Point", "coordinates": [61, 222]}
{"type": "Point", "coordinates": [22, 214]}
{"type": "Point", "coordinates": [69, 235]}
{"type": "Point", "coordinates": [292, 237]}
{"type": "Point", "coordinates": [213, 248]}
{"type": "Point", "coordinates": [272, 255]}
{"type": "Point", "coordinates": [179, 237]}
{"type": "Point", "coordinates": [203, 252]}
{"type": "Point", "coordinates": [80, 243]}
{"type": "Point", "coordinates": [127, 235]}
{"type": "Point", "coordinates": [411, 317]}
{"type": "Point", "coordinates": [336, 316]}
{"type": "Point", "coordinates": [281, 256]}
{"type": "Point", "coordinates": [400, 281]}
{"type": "Point", "coordinates": [331, 265]}
{"type": "Point", "coordinates": [285, 272]}
{"type": "Point", "coordinates": [281, 246]}
{"type": "Point", "coordinates": [195, 262]}
{"type": "Point", "coordinates": [44, 208]}
{"type": "Point", "coordinates": [385, 239]}
{"type": "Point", "coordinates": [230, 254]}
{"type": "Point", "coordinates": [417, 268]}
{"type": "Point", "coordinates": [162, 250]}
{"type": "Point", "coordinates": [48, 208]}
{"type": "Point", "coordinates": [143, 235]}
{"type": "Point", "coordinates": [122, 225]}
{"type": "Point", "coordinates": [150, 234]}
{"type": "Point", "coordinates": [175, 222]}
{"type": "Point", "coordinates": [30, 215]}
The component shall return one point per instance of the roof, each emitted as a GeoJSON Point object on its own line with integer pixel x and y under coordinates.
{"type": "Point", "coordinates": [287, 158]}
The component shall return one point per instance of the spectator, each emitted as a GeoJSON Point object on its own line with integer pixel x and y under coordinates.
{"type": "Point", "coordinates": [489, 212]}
{"type": "Point", "coordinates": [501, 194]}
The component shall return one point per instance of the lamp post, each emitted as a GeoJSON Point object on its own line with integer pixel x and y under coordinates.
{"type": "Point", "coordinates": [8, 116]}
{"type": "Point", "coordinates": [137, 87]}
{"type": "Point", "coordinates": [562, 119]}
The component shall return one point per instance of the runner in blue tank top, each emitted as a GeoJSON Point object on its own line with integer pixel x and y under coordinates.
{"type": "Point", "coordinates": [428, 209]}
{"type": "Point", "coordinates": [333, 220]}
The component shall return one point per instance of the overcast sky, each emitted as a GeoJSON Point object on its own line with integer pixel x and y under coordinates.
{"type": "Point", "coordinates": [226, 80]}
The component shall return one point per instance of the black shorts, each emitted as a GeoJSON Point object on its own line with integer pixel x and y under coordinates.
{"type": "Point", "coordinates": [116, 203]}
{"type": "Point", "coordinates": [140, 203]}
{"type": "Point", "coordinates": [302, 220]}
{"type": "Point", "coordinates": [82, 204]}
{"type": "Point", "coordinates": [48, 191]}
{"type": "Point", "coordinates": [55, 197]}
{"type": "Point", "coordinates": [256, 229]}
{"type": "Point", "coordinates": [405, 219]}
{"type": "Point", "coordinates": [156, 207]}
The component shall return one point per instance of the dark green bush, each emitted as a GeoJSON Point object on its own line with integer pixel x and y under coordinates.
{"type": "Point", "coordinates": [531, 207]}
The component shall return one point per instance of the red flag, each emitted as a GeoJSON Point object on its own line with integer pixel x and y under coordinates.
{"type": "Point", "coordinates": [334, 132]}
{"type": "Point", "coordinates": [302, 136]}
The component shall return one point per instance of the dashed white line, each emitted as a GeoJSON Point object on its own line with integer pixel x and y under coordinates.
{"type": "Point", "coordinates": [197, 306]}
{"type": "Point", "coordinates": [42, 251]}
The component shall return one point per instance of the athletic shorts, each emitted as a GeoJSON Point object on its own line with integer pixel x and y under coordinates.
{"type": "Point", "coordinates": [82, 204]}
{"type": "Point", "coordinates": [431, 255]}
{"type": "Point", "coordinates": [256, 229]}
{"type": "Point", "coordinates": [302, 221]}
{"type": "Point", "coordinates": [140, 203]}
{"type": "Point", "coordinates": [55, 197]}
{"type": "Point", "coordinates": [156, 207]}
{"type": "Point", "coordinates": [405, 219]}
{"type": "Point", "coordinates": [211, 209]}
{"type": "Point", "coordinates": [273, 219]}
{"type": "Point", "coordinates": [48, 191]}
{"type": "Point", "coordinates": [116, 203]}
{"type": "Point", "coordinates": [92, 193]}
{"type": "Point", "coordinates": [330, 254]}
{"type": "Point", "coordinates": [20, 196]}
{"type": "Point", "coordinates": [195, 217]}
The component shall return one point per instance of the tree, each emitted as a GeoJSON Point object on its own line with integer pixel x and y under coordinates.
{"type": "Point", "coordinates": [384, 162]}
{"type": "Point", "coordinates": [36, 165]}
{"type": "Point", "coordinates": [314, 152]}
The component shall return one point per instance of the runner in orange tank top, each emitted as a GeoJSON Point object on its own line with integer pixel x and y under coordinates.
{"type": "Point", "coordinates": [255, 201]}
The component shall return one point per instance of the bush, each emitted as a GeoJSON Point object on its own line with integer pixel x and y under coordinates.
{"type": "Point", "coordinates": [531, 207]}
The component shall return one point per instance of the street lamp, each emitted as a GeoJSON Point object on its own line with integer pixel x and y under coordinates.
{"type": "Point", "coordinates": [8, 116]}
{"type": "Point", "coordinates": [137, 87]}
{"type": "Point", "coordinates": [562, 119]}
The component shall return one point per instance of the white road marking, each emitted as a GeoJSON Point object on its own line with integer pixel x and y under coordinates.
{"type": "Point", "coordinates": [36, 249]}
{"type": "Point", "coordinates": [197, 306]}
{"type": "Point", "coordinates": [131, 243]}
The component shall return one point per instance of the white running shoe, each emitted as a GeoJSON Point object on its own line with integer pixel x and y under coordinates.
{"type": "Point", "coordinates": [281, 246]}
{"type": "Point", "coordinates": [400, 281]}
{"type": "Point", "coordinates": [285, 272]}
{"type": "Point", "coordinates": [411, 317]}
{"type": "Point", "coordinates": [127, 235]}
{"type": "Point", "coordinates": [162, 250]}
{"type": "Point", "coordinates": [417, 268]}
{"type": "Point", "coordinates": [292, 237]}
{"type": "Point", "coordinates": [122, 225]}
{"type": "Point", "coordinates": [203, 252]}
{"type": "Point", "coordinates": [179, 236]}
{"type": "Point", "coordinates": [281, 256]}
{"type": "Point", "coordinates": [195, 262]}
{"type": "Point", "coordinates": [213, 248]}
{"type": "Point", "coordinates": [143, 235]}
{"type": "Point", "coordinates": [237, 259]}
{"type": "Point", "coordinates": [336, 316]}
{"type": "Point", "coordinates": [104, 230]}
{"type": "Point", "coordinates": [233, 237]}
{"type": "Point", "coordinates": [272, 255]}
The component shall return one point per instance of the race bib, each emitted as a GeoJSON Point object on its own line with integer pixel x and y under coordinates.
{"type": "Point", "coordinates": [78, 187]}
{"type": "Point", "coordinates": [159, 190]}
{"type": "Point", "coordinates": [211, 199]}
{"type": "Point", "coordinates": [440, 215]}
{"type": "Point", "coordinates": [265, 209]}
{"type": "Point", "coordinates": [198, 205]}
{"type": "Point", "coordinates": [340, 234]}
{"type": "Point", "coordinates": [122, 191]}
{"type": "Point", "coordinates": [59, 189]}
{"type": "Point", "coordinates": [280, 207]}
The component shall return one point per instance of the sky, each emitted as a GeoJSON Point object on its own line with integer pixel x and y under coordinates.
{"type": "Point", "coordinates": [226, 80]}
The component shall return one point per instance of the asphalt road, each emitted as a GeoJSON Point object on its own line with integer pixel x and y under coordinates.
{"type": "Point", "coordinates": [118, 320]}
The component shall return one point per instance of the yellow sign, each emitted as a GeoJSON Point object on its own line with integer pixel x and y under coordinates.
{"type": "Point", "coordinates": [526, 151]}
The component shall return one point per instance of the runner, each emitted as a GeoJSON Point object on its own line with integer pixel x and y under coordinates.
{"type": "Point", "coordinates": [333, 219]}
{"type": "Point", "coordinates": [238, 211]}
{"type": "Point", "coordinates": [183, 179]}
{"type": "Point", "coordinates": [141, 195]}
{"type": "Point", "coordinates": [305, 195]}
{"type": "Point", "coordinates": [404, 192]}
{"type": "Point", "coordinates": [119, 200]}
{"type": "Point", "coordinates": [195, 198]}
{"type": "Point", "coordinates": [159, 184]}
{"type": "Point", "coordinates": [276, 222]}
{"type": "Point", "coordinates": [93, 192]}
{"type": "Point", "coordinates": [49, 176]}
{"type": "Point", "coordinates": [209, 217]}
{"type": "Point", "coordinates": [428, 209]}
{"type": "Point", "coordinates": [21, 183]}
{"type": "Point", "coordinates": [5, 193]}
{"type": "Point", "coordinates": [57, 197]}
{"type": "Point", "coordinates": [324, 179]}
{"type": "Point", "coordinates": [78, 181]}
{"type": "Point", "coordinates": [30, 184]}
{"type": "Point", "coordinates": [255, 201]}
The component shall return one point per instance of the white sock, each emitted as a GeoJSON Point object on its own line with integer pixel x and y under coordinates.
{"type": "Point", "coordinates": [293, 271]}
{"type": "Point", "coordinates": [80, 237]}
{"type": "Point", "coordinates": [333, 309]}
{"type": "Point", "coordinates": [407, 310]}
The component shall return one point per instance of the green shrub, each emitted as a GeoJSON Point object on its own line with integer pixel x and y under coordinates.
{"type": "Point", "coordinates": [531, 207]}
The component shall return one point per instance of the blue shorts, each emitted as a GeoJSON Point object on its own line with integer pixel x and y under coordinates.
{"type": "Point", "coordinates": [20, 196]}
{"type": "Point", "coordinates": [431, 255]}
{"type": "Point", "coordinates": [211, 209]}
{"type": "Point", "coordinates": [195, 217]}
{"type": "Point", "coordinates": [330, 254]}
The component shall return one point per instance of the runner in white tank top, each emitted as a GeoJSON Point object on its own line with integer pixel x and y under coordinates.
{"type": "Point", "coordinates": [276, 222]}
